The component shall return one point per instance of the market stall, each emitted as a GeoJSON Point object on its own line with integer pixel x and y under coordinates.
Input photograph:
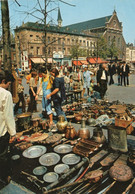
{"type": "Point", "coordinates": [89, 154]}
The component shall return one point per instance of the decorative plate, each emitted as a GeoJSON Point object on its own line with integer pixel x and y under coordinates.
{"type": "Point", "coordinates": [63, 148]}
{"type": "Point", "coordinates": [40, 170]}
{"type": "Point", "coordinates": [50, 177]}
{"type": "Point", "coordinates": [71, 159]}
{"type": "Point", "coordinates": [49, 159]}
{"type": "Point", "coordinates": [60, 168]}
{"type": "Point", "coordinates": [34, 151]}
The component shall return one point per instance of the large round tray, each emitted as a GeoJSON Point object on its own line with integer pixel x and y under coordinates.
{"type": "Point", "coordinates": [63, 148]}
{"type": "Point", "coordinates": [49, 159]}
{"type": "Point", "coordinates": [71, 159]}
{"type": "Point", "coordinates": [50, 177]}
{"type": "Point", "coordinates": [60, 168]}
{"type": "Point", "coordinates": [34, 151]}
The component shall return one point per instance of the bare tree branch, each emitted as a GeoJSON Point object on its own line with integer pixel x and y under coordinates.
{"type": "Point", "coordinates": [67, 3]}
{"type": "Point", "coordinates": [17, 3]}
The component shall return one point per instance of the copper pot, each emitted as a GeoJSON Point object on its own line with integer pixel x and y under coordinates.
{"type": "Point", "coordinates": [78, 117]}
{"type": "Point", "coordinates": [83, 132]}
{"type": "Point", "coordinates": [70, 132]}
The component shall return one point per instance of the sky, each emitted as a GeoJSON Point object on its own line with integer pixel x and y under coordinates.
{"type": "Point", "coordinates": [82, 11]}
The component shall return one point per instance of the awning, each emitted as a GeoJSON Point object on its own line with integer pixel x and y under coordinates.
{"type": "Point", "coordinates": [76, 63]}
{"type": "Point", "coordinates": [95, 60]}
{"type": "Point", "coordinates": [41, 60]}
{"type": "Point", "coordinates": [84, 62]}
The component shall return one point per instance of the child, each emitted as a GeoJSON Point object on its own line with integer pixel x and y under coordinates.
{"type": "Point", "coordinates": [91, 86]}
{"type": "Point", "coordinates": [71, 82]}
{"type": "Point", "coordinates": [46, 85]}
{"type": "Point", "coordinates": [20, 90]}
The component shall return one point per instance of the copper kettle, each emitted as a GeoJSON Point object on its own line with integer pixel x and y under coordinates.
{"type": "Point", "coordinates": [83, 132]}
{"type": "Point", "coordinates": [70, 132]}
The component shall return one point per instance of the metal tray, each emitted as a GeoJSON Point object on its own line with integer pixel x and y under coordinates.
{"type": "Point", "coordinates": [50, 177]}
{"type": "Point", "coordinates": [60, 168]}
{"type": "Point", "coordinates": [71, 159]}
{"type": "Point", "coordinates": [40, 170]}
{"type": "Point", "coordinates": [49, 159]}
{"type": "Point", "coordinates": [34, 151]}
{"type": "Point", "coordinates": [63, 148]}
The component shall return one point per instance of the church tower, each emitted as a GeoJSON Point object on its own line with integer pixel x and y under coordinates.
{"type": "Point", "coordinates": [59, 18]}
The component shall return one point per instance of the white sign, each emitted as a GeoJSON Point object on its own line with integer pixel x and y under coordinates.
{"type": "Point", "coordinates": [58, 55]}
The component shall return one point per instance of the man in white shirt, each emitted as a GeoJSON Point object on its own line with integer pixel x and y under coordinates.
{"type": "Point", "coordinates": [7, 123]}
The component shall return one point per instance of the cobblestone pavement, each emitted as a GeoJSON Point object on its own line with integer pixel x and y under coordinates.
{"type": "Point", "coordinates": [122, 93]}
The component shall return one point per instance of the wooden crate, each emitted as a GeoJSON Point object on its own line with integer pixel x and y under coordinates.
{"type": "Point", "coordinates": [124, 124]}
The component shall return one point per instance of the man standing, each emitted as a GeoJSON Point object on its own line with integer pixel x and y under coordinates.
{"type": "Point", "coordinates": [125, 73]}
{"type": "Point", "coordinates": [119, 73]}
{"type": "Point", "coordinates": [102, 79]}
{"type": "Point", "coordinates": [112, 71]}
{"type": "Point", "coordinates": [7, 123]}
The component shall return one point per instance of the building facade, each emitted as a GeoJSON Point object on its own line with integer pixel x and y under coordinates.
{"type": "Point", "coordinates": [109, 27]}
{"type": "Point", "coordinates": [30, 38]}
{"type": "Point", "coordinates": [130, 54]}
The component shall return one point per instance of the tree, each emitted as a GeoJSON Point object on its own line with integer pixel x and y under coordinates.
{"type": "Point", "coordinates": [113, 50]}
{"type": "Point", "coordinates": [101, 49]}
{"type": "Point", "coordinates": [6, 35]}
{"type": "Point", "coordinates": [77, 52]}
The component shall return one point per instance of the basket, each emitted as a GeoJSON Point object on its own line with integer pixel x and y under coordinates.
{"type": "Point", "coordinates": [124, 124]}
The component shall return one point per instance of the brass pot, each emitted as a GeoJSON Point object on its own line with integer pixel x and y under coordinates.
{"type": "Point", "coordinates": [61, 124]}
{"type": "Point", "coordinates": [23, 121]}
{"type": "Point", "coordinates": [70, 132]}
{"type": "Point", "coordinates": [83, 132]}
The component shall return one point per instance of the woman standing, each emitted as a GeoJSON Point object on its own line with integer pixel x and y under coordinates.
{"type": "Point", "coordinates": [32, 91]}
{"type": "Point", "coordinates": [46, 85]}
{"type": "Point", "coordinates": [58, 92]}
{"type": "Point", "coordinates": [86, 78]}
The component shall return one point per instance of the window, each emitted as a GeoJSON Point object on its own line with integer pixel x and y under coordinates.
{"type": "Point", "coordinates": [76, 40]}
{"type": "Point", "coordinates": [91, 44]}
{"type": "Point", "coordinates": [38, 50]}
{"type": "Point", "coordinates": [37, 36]}
{"type": "Point", "coordinates": [68, 50]}
{"type": "Point", "coordinates": [80, 41]}
{"type": "Point", "coordinates": [68, 41]}
{"type": "Point", "coordinates": [49, 50]}
{"type": "Point", "coordinates": [43, 50]}
{"type": "Point", "coordinates": [31, 50]}
{"type": "Point", "coordinates": [59, 49]}
{"type": "Point", "coordinates": [54, 48]}
{"type": "Point", "coordinates": [59, 41]}
{"type": "Point", "coordinates": [88, 43]}
{"type": "Point", "coordinates": [31, 35]}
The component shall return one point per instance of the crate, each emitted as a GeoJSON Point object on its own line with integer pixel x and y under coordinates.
{"type": "Point", "coordinates": [124, 124]}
